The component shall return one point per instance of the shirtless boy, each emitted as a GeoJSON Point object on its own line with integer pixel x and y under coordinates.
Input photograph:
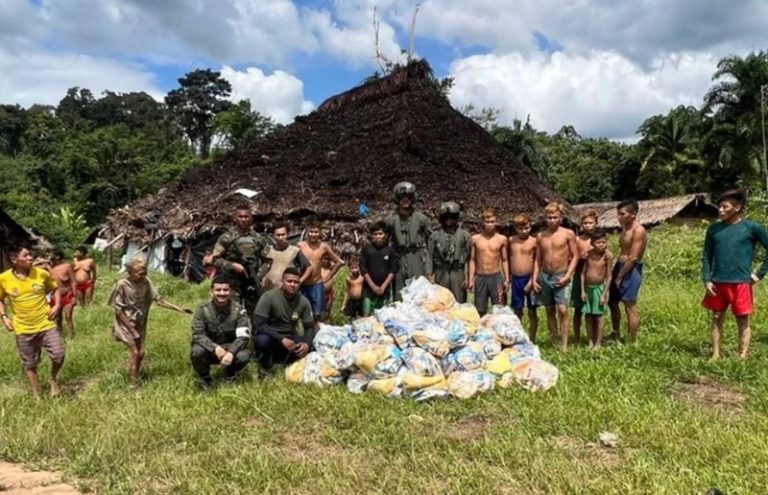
{"type": "Point", "coordinates": [628, 271]}
{"type": "Point", "coordinates": [594, 280]}
{"type": "Point", "coordinates": [584, 243]}
{"type": "Point", "coordinates": [353, 295]}
{"type": "Point", "coordinates": [522, 257]}
{"type": "Point", "coordinates": [488, 264]}
{"type": "Point", "coordinates": [64, 276]}
{"type": "Point", "coordinates": [85, 275]}
{"type": "Point", "coordinates": [556, 260]}
{"type": "Point", "coordinates": [313, 287]}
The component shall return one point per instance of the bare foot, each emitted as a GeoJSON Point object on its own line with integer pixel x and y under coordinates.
{"type": "Point", "coordinates": [743, 356]}
{"type": "Point", "coordinates": [55, 390]}
{"type": "Point", "coordinates": [715, 357]}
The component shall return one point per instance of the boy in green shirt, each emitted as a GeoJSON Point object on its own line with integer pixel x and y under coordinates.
{"type": "Point", "coordinates": [729, 251]}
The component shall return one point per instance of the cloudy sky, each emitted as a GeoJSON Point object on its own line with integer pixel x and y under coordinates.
{"type": "Point", "coordinates": [600, 65]}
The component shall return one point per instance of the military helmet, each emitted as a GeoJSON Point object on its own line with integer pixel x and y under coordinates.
{"type": "Point", "coordinates": [449, 208]}
{"type": "Point", "coordinates": [403, 189]}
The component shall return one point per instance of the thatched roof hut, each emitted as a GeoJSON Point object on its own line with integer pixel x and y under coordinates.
{"type": "Point", "coordinates": [654, 211]}
{"type": "Point", "coordinates": [11, 232]}
{"type": "Point", "coordinates": [353, 149]}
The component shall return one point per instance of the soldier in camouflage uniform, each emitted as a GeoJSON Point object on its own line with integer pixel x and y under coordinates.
{"type": "Point", "coordinates": [409, 230]}
{"type": "Point", "coordinates": [241, 254]}
{"type": "Point", "coordinates": [448, 253]}
{"type": "Point", "coordinates": [221, 334]}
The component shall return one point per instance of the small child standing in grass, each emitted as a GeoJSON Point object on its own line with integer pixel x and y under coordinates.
{"type": "Point", "coordinates": [594, 279]}
{"type": "Point", "coordinates": [378, 263]}
{"type": "Point", "coordinates": [353, 295]}
{"type": "Point", "coordinates": [131, 299]}
{"type": "Point", "coordinates": [584, 244]}
{"type": "Point", "coordinates": [726, 265]}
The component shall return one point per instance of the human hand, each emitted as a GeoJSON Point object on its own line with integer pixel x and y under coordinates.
{"type": "Point", "coordinates": [584, 297]}
{"type": "Point", "coordinates": [53, 312]}
{"type": "Point", "coordinates": [710, 288]}
{"type": "Point", "coordinates": [431, 278]}
{"type": "Point", "coordinates": [470, 285]}
{"type": "Point", "coordinates": [505, 287]}
{"type": "Point", "coordinates": [754, 279]}
{"type": "Point", "coordinates": [220, 352]}
{"type": "Point", "coordinates": [536, 286]}
{"type": "Point", "coordinates": [301, 349]}
{"type": "Point", "coordinates": [227, 359]}
{"type": "Point", "coordinates": [464, 284]}
{"type": "Point", "coordinates": [8, 323]}
{"type": "Point", "coordinates": [528, 287]}
{"type": "Point", "coordinates": [618, 282]}
{"type": "Point", "coordinates": [288, 344]}
{"type": "Point", "coordinates": [604, 299]}
{"type": "Point", "coordinates": [238, 268]}
{"type": "Point", "coordinates": [562, 281]}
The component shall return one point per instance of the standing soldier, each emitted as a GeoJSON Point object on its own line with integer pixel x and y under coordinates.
{"type": "Point", "coordinates": [408, 231]}
{"type": "Point", "coordinates": [448, 252]}
{"type": "Point", "coordinates": [240, 255]}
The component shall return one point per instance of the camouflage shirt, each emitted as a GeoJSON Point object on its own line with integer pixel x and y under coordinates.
{"type": "Point", "coordinates": [447, 251]}
{"type": "Point", "coordinates": [212, 326]}
{"type": "Point", "coordinates": [249, 249]}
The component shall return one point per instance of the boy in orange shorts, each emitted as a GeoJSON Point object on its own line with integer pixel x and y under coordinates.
{"type": "Point", "coordinates": [729, 251]}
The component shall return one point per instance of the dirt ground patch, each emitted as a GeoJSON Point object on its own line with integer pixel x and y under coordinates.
{"type": "Point", "coordinates": [594, 452]}
{"type": "Point", "coordinates": [16, 480]}
{"type": "Point", "coordinates": [470, 428]}
{"type": "Point", "coordinates": [306, 446]}
{"type": "Point", "coordinates": [711, 395]}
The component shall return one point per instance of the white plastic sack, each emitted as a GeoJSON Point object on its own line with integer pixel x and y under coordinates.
{"type": "Point", "coordinates": [463, 359]}
{"type": "Point", "coordinates": [330, 338]}
{"type": "Point", "coordinates": [420, 362]}
{"type": "Point", "coordinates": [467, 384]}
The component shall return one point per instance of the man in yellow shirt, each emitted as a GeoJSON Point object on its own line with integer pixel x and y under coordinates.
{"type": "Point", "coordinates": [32, 318]}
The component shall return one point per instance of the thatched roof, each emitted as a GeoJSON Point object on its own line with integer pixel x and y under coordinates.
{"type": "Point", "coordinates": [354, 148]}
{"type": "Point", "coordinates": [653, 211]}
{"type": "Point", "coordinates": [11, 232]}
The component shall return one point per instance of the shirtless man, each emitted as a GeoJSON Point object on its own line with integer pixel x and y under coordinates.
{"type": "Point", "coordinates": [488, 264]}
{"type": "Point", "coordinates": [64, 276]}
{"type": "Point", "coordinates": [522, 257]}
{"type": "Point", "coordinates": [85, 275]}
{"type": "Point", "coordinates": [313, 287]}
{"type": "Point", "coordinates": [628, 271]}
{"type": "Point", "coordinates": [556, 261]}
{"type": "Point", "coordinates": [584, 243]}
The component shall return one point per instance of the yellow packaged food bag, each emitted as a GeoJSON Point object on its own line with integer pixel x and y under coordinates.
{"type": "Point", "coordinates": [295, 372]}
{"type": "Point", "coordinates": [367, 356]}
{"type": "Point", "coordinates": [467, 314]}
{"type": "Point", "coordinates": [412, 381]}
{"type": "Point", "coordinates": [502, 363]}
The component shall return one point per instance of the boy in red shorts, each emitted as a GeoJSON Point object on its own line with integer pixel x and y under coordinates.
{"type": "Point", "coordinates": [729, 251]}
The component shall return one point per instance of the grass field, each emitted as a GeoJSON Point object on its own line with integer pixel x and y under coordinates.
{"type": "Point", "coordinates": [684, 424]}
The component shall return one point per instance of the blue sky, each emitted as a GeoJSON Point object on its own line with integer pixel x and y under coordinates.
{"type": "Point", "coordinates": [600, 65]}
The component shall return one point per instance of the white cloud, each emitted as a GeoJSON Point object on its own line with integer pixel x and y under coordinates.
{"type": "Point", "coordinates": [600, 93]}
{"type": "Point", "coordinates": [279, 95]}
{"type": "Point", "coordinates": [31, 77]}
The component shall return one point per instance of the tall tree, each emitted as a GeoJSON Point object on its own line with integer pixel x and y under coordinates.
{"type": "Point", "coordinates": [672, 158]}
{"type": "Point", "coordinates": [735, 141]}
{"type": "Point", "coordinates": [201, 96]}
{"type": "Point", "coordinates": [13, 123]}
{"type": "Point", "coordinates": [239, 124]}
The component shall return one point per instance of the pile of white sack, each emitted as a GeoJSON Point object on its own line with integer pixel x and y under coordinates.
{"type": "Point", "coordinates": [427, 346]}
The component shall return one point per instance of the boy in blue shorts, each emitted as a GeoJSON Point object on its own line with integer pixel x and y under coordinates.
{"type": "Point", "coordinates": [628, 271]}
{"type": "Point", "coordinates": [522, 256]}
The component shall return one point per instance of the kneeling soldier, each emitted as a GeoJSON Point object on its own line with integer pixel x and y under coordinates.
{"type": "Point", "coordinates": [221, 331]}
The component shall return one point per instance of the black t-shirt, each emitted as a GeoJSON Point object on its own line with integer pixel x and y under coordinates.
{"type": "Point", "coordinates": [378, 262]}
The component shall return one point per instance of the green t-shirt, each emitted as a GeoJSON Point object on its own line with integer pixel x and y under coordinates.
{"type": "Point", "coordinates": [286, 316]}
{"type": "Point", "coordinates": [729, 250]}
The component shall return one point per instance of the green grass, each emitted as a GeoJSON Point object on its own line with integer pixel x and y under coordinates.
{"type": "Point", "coordinates": [274, 437]}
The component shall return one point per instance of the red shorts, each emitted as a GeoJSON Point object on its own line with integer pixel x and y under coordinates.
{"type": "Point", "coordinates": [737, 296]}
{"type": "Point", "coordinates": [82, 287]}
{"type": "Point", "coordinates": [67, 299]}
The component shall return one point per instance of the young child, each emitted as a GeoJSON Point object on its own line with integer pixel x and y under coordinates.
{"type": "Point", "coordinates": [595, 277]}
{"type": "Point", "coordinates": [584, 245]}
{"type": "Point", "coordinates": [522, 256]}
{"type": "Point", "coordinates": [353, 295]}
{"type": "Point", "coordinates": [328, 275]}
{"type": "Point", "coordinates": [726, 265]}
{"type": "Point", "coordinates": [85, 275]}
{"type": "Point", "coordinates": [313, 285]}
{"type": "Point", "coordinates": [379, 264]}
{"type": "Point", "coordinates": [488, 264]}
{"type": "Point", "coordinates": [556, 260]}
{"type": "Point", "coordinates": [64, 275]}
{"type": "Point", "coordinates": [131, 299]}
